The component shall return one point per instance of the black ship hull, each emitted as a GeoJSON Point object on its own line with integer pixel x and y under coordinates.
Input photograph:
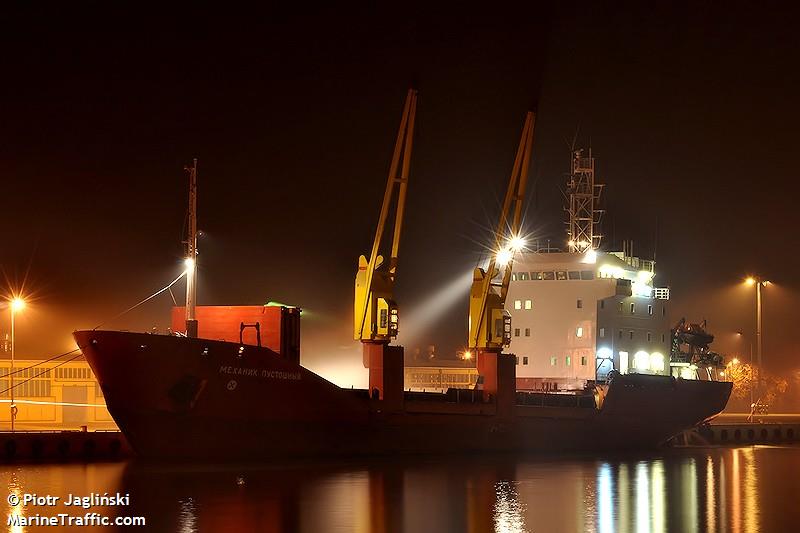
{"type": "Point", "coordinates": [175, 397]}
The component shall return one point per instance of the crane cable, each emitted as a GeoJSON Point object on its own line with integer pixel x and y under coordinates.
{"type": "Point", "coordinates": [173, 282]}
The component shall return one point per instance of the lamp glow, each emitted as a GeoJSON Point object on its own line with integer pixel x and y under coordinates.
{"type": "Point", "coordinates": [17, 304]}
{"type": "Point", "coordinates": [750, 281]}
{"type": "Point", "coordinates": [189, 263]}
{"type": "Point", "coordinates": [504, 257]}
{"type": "Point", "coordinates": [517, 243]}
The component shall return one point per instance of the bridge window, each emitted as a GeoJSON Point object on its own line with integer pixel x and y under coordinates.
{"type": "Point", "coordinates": [517, 304]}
{"type": "Point", "coordinates": [527, 332]}
{"type": "Point", "coordinates": [528, 304]}
{"type": "Point", "coordinates": [553, 360]}
{"type": "Point", "coordinates": [516, 332]}
{"type": "Point", "coordinates": [525, 360]}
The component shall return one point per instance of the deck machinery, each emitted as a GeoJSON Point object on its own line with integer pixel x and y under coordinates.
{"type": "Point", "coordinates": [489, 322]}
{"type": "Point", "coordinates": [375, 311]}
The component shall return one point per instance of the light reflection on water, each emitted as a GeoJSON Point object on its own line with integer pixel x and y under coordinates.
{"type": "Point", "coordinates": [741, 490]}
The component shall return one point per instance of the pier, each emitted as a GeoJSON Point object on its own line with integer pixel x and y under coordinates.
{"type": "Point", "coordinates": [62, 446]}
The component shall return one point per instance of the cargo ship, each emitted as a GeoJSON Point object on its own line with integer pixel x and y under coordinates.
{"type": "Point", "coordinates": [227, 381]}
{"type": "Point", "coordinates": [179, 397]}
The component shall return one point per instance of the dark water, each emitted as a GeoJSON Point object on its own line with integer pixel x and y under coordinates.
{"type": "Point", "coordinates": [738, 490]}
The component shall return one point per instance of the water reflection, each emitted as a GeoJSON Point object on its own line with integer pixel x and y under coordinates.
{"type": "Point", "coordinates": [508, 511]}
{"type": "Point", "coordinates": [718, 490]}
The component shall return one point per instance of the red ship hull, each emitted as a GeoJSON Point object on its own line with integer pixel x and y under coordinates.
{"type": "Point", "coordinates": [178, 397]}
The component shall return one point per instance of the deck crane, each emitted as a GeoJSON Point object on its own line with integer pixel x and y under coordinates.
{"type": "Point", "coordinates": [375, 311]}
{"type": "Point", "coordinates": [489, 322]}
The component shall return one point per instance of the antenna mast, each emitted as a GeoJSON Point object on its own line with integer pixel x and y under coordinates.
{"type": "Point", "coordinates": [191, 253]}
{"type": "Point", "coordinates": [584, 195]}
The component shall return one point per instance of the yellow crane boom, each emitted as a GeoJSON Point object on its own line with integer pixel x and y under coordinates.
{"type": "Point", "coordinates": [375, 312]}
{"type": "Point", "coordinates": [489, 323]}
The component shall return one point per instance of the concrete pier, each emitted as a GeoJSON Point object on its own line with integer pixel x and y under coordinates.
{"type": "Point", "coordinates": [62, 446]}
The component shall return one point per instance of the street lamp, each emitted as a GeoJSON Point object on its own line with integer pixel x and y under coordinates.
{"type": "Point", "coordinates": [740, 334]}
{"type": "Point", "coordinates": [758, 282]}
{"type": "Point", "coordinates": [17, 305]}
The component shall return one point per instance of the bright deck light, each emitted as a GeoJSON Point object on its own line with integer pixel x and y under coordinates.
{"type": "Point", "coordinates": [517, 243]}
{"type": "Point", "coordinates": [189, 262]}
{"type": "Point", "coordinates": [504, 257]}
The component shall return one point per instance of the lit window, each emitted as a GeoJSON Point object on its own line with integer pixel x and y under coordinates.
{"type": "Point", "coordinates": [527, 332]}
{"type": "Point", "coordinates": [583, 360]}
{"type": "Point", "coordinates": [569, 360]}
{"type": "Point", "coordinates": [553, 361]}
{"type": "Point", "coordinates": [657, 362]}
{"type": "Point", "coordinates": [513, 277]}
{"type": "Point", "coordinates": [602, 332]}
{"type": "Point", "coordinates": [649, 309]}
{"type": "Point", "coordinates": [623, 362]}
{"type": "Point", "coordinates": [516, 332]}
{"type": "Point", "coordinates": [579, 331]}
{"type": "Point", "coordinates": [517, 304]}
{"type": "Point", "coordinates": [561, 275]}
{"type": "Point", "coordinates": [523, 276]}
{"type": "Point", "coordinates": [580, 304]}
{"type": "Point", "coordinates": [633, 308]}
{"type": "Point", "coordinates": [525, 360]}
{"type": "Point", "coordinates": [642, 360]}
{"type": "Point", "coordinates": [528, 304]}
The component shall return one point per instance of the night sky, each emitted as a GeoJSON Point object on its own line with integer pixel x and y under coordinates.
{"type": "Point", "coordinates": [691, 112]}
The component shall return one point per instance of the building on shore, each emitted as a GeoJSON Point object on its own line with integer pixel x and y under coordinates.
{"type": "Point", "coordinates": [52, 396]}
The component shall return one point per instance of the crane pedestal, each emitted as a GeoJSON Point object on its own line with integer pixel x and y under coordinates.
{"type": "Point", "coordinates": [385, 373]}
{"type": "Point", "coordinates": [499, 373]}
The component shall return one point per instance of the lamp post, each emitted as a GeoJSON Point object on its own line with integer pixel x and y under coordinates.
{"type": "Point", "coordinates": [17, 304]}
{"type": "Point", "coordinates": [741, 336]}
{"type": "Point", "coordinates": [758, 282]}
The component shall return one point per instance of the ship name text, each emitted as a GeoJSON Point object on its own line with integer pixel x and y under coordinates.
{"type": "Point", "coordinates": [260, 373]}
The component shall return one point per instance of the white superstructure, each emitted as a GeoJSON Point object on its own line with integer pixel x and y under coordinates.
{"type": "Point", "coordinates": [576, 316]}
